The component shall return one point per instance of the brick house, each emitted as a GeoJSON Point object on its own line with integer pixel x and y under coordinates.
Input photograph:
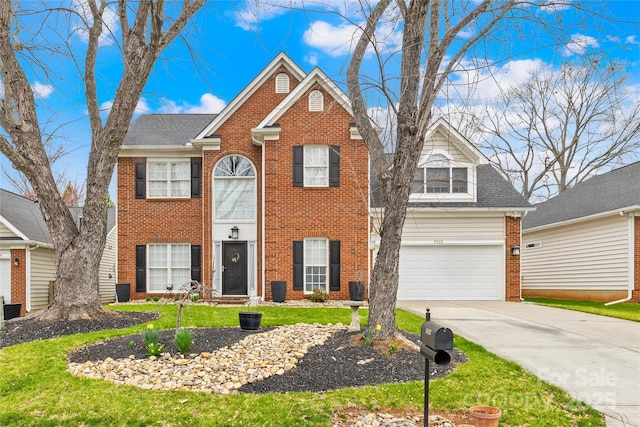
{"type": "Point", "coordinates": [273, 188]}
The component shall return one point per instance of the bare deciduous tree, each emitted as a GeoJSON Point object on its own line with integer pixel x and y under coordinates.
{"type": "Point", "coordinates": [440, 38]}
{"type": "Point", "coordinates": [146, 28]}
{"type": "Point", "coordinates": [562, 126]}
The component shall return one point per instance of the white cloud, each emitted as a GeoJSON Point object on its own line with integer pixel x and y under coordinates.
{"type": "Point", "coordinates": [312, 58]}
{"type": "Point", "coordinates": [141, 107]}
{"type": "Point", "coordinates": [632, 40]}
{"type": "Point", "coordinates": [109, 18]}
{"type": "Point", "coordinates": [579, 44]}
{"type": "Point", "coordinates": [41, 90]}
{"type": "Point", "coordinates": [339, 40]}
{"type": "Point", "coordinates": [209, 104]}
{"type": "Point", "coordinates": [256, 12]}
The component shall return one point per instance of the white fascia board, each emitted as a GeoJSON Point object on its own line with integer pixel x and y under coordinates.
{"type": "Point", "coordinates": [630, 210]}
{"type": "Point", "coordinates": [161, 150]}
{"type": "Point", "coordinates": [460, 141]}
{"type": "Point", "coordinates": [519, 211]}
{"type": "Point", "coordinates": [24, 244]}
{"type": "Point", "coordinates": [13, 229]}
{"type": "Point", "coordinates": [315, 76]}
{"type": "Point", "coordinates": [280, 59]}
{"type": "Point", "coordinates": [260, 136]}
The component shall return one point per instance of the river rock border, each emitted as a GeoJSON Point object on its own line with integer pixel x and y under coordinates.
{"type": "Point", "coordinates": [254, 358]}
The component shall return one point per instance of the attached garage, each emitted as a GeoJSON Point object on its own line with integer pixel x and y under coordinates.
{"type": "Point", "coordinates": [465, 272]}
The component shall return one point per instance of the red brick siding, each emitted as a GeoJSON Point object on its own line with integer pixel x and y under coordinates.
{"type": "Point", "coordinates": [337, 213]}
{"type": "Point", "coordinates": [19, 279]}
{"type": "Point", "coordinates": [512, 268]}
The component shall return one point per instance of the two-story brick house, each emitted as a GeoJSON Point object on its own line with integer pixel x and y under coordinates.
{"type": "Point", "coordinates": [273, 188]}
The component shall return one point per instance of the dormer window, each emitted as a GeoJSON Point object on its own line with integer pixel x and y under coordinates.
{"type": "Point", "coordinates": [282, 83]}
{"type": "Point", "coordinates": [316, 101]}
{"type": "Point", "coordinates": [438, 175]}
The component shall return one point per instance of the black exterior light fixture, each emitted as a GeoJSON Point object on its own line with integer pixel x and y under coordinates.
{"type": "Point", "coordinates": [234, 233]}
{"type": "Point", "coordinates": [515, 250]}
{"type": "Point", "coordinates": [16, 262]}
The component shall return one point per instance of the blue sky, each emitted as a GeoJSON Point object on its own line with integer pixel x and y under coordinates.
{"type": "Point", "coordinates": [231, 41]}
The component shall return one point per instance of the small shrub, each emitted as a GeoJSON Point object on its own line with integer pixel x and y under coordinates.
{"type": "Point", "coordinates": [151, 336]}
{"type": "Point", "coordinates": [195, 298]}
{"type": "Point", "coordinates": [319, 295]}
{"type": "Point", "coordinates": [183, 340]}
{"type": "Point", "coordinates": [368, 337]}
{"type": "Point", "coordinates": [147, 299]}
{"type": "Point", "coordinates": [156, 299]}
{"type": "Point", "coordinates": [131, 344]}
{"type": "Point", "coordinates": [176, 298]}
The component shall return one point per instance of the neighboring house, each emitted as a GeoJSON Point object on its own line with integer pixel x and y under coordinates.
{"type": "Point", "coordinates": [585, 242]}
{"type": "Point", "coordinates": [27, 255]}
{"type": "Point", "coordinates": [273, 188]}
{"type": "Point", "coordinates": [461, 236]}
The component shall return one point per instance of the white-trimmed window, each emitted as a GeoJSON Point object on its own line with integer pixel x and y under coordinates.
{"type": "Point", "coordinates": [316, 268]}
{"type": "Point", "coordinates": [235, 189]}
{"type": "Point", "coordinates": [282, 83]}
{"type": "Point", "coordinates": [438, 175]}
{"type": "Point", "coordinates": [316, 165]}
{"type": "Point", "coordinates": [169, 178]}
{"type": "Point", "coordinates": [168, 264]}
{"type": "Point", "coordinates": [316, 101]}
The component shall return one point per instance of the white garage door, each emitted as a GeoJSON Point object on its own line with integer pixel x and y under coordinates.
{"type": "Point", "coordinates": [5, 276]}
{"type": "Point", "coordinates": [451, 273]}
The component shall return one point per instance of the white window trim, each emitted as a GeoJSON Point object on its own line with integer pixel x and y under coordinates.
{"type": "Point", "coordinates": [168, 268]}
{"type": "Point", "coordinates": [305, 166]}
{"type": "Point", "coordinates": [469, 196]}
{"type": "Point", "coordinates": [167, 161]}
{"type": "Point", "coordinates": [325, 265]}
{"type": "Point", "coordinates": [255, 193]}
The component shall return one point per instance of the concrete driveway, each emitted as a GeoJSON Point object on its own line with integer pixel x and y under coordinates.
{"type": "Point", "coordinates": [596, 359]}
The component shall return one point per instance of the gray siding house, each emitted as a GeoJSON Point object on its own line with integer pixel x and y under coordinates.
{"type": "Point", "coordinates": [585, 243]}
{"type": "Point", "coordinates": [27, 255]}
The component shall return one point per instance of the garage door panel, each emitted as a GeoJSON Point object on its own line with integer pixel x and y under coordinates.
{"type": "Point", "coordinates": [451, 273]}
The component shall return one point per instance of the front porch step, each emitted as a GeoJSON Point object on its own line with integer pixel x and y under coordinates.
{"type": "Point", "coordinates": [231, 300]}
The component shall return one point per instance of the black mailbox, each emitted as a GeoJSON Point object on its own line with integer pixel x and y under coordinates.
{"type": "Point", "coordinates": [436, 341]}
{"type": "Point", "coordinates": [436, 336]}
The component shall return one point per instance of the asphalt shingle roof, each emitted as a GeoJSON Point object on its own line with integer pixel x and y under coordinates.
{"type": "Point", "coordinates": [24, 214]}
{"type": "Point", "coordinates": [617, 189]}
{"type": "Point", "coordinates": [494, 191]}
{"type": "Point", "coordinates": [166, 129]}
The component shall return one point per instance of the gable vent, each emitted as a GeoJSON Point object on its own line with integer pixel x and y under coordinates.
{"type": "Point", "coordinates": [316, 101]}
{"type": "Point", "coordinates": [282, 83]}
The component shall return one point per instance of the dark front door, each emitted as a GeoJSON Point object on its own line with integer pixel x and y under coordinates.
{"type": "Point", "coordinates": [234, 268]}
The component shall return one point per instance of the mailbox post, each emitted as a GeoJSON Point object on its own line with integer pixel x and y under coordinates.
{"type": "Point", "coordinates": [436, 341]}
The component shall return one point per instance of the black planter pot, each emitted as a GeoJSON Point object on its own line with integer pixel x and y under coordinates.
{"type": "Point", "coordinates": [11, 310]}
{"type": "Point", "coordinates": [356, 291]}
{"type": "Point", "coordinates": [250, 320]}
{"type": "Point", "coordinates": [278, 290]}
{"type": "Point", "coordinates": [123, 291]}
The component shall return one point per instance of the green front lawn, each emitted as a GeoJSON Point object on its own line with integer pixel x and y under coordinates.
{"type": "Point", "coordinates": [36, 390]}
{"type": "Point", "coordinates": [627, 311]}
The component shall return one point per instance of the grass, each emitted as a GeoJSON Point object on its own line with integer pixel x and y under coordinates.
{"type": "Point", "coordinates": [36, 389]}
{"type": "Point", "coordinates": [627, 311]}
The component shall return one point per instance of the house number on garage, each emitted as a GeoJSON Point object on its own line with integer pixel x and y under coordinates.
{"type": "Point", "coordinates": [438, 242]}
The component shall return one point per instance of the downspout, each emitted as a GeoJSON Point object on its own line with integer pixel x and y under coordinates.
{"type": "Point", "coordinates": [262, 220]}
{"type": "Point", "coordinates": [631, 264]}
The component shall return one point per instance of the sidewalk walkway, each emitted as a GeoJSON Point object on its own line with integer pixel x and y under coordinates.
{"type": "Point", "coordinates": [595, 359]}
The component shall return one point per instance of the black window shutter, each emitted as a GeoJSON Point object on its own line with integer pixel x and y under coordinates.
{"type": "Point", "coordinates": [298, 166]}
{"type": "Point", "coordinates": [141, 268]}
{"type": "Point", "coordinates": [334, 166]}
{"type": "Point", "coordinates": [334, 265]}
{"type": "Point", "coordinates": [298, 265]}
{"type": "Point", "coordinates": [141, 169]}
{"type": "Point", "coordinates": [195, 263]}
{"type": "Point", "coordinates": [195, 180]}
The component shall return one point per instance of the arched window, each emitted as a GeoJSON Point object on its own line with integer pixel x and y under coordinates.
{"type": "Point", "coordinates": [282, 83]}
{"type": "Point", "coordinates": [316, 101]}
{"type": "Point", "coordinates": [235, 189]}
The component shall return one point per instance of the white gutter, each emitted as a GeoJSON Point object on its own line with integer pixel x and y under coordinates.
{"type": "Point", "coordinates": [631, 272]}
